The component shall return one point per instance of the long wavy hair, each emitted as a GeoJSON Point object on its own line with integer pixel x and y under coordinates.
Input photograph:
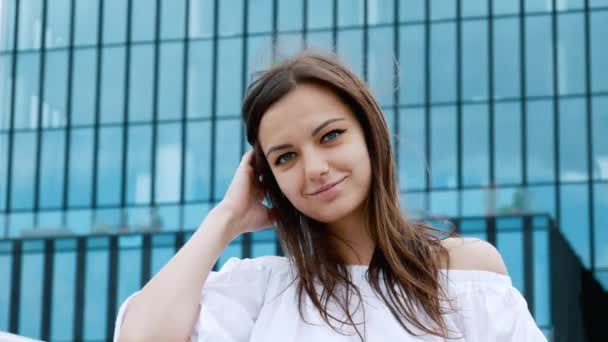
{"type": "Point", "coordinates": [407, 256]}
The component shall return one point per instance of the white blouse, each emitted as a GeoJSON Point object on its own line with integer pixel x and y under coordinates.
{"type": "Point", "coordinates": [252, 300]}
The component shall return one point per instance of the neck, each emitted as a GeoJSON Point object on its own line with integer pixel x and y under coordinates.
{"type": "Point", "coordinates": [357, 246]}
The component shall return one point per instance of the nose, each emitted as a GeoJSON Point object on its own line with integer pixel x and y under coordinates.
{"type": "Point", "coordinates": [316, 166]}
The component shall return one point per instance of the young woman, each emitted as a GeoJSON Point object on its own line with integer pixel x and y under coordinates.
{"type": "Point", "coordinates": [356, 269]}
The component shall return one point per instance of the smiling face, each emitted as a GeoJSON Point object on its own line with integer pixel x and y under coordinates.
{"type": "Point", "coordinates": [312, 141]}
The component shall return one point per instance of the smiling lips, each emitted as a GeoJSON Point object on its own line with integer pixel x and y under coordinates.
{"type": "Point", "coordinates": [326, 187]}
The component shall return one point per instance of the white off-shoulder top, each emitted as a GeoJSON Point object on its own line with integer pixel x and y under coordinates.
{"type": "Point", "coordinates": [256, 300]}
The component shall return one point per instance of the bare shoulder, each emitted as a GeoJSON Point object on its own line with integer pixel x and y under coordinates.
{"type": "Point", "coordinates": [473, 254]}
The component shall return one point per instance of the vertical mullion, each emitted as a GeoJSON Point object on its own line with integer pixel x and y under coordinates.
{"type": "Point", "coordinates": [41, 78]}
{"type": "Point", "coordinates": [125, 110]}
{"type": "Point", "coordinates": [15, 298]}
{"type": "Point", "coordinates": [523, 90]}
{"type": "Point", "coordinates": [304, 24]}
{"type": "Point", "coordinates": [79, 280]}
{"type": "Point", "coordinates": [427, 103]}
{"type": "Point", "coordinates": [47, 290]}
{"type": "Point", "coordinates": [247, 237]}
{"type": "Point", "coordinates": [155, 104]}
{"type": "Point", "coordinates": [184, 119]}
{"type": "Point", "coordinates": [459, 103]}
{"type": "Point", "coordinates": [275, 25]}
{"type": "Point", "coordinates": [556, 113]}
{"type": "Point", "coordinates": [213, 118]}
{"type": "Point", "coordinates": [365, 39]}
{"type": "Point", "coordinates": [113, 271]}
{"type": "Point", "coordinates": [68, 114]}
{"type": "Point", "coordinates": [528, 266]}
{"type": "Point", "coordinates": [396, 98]}
{"type": "Point", "coordinates": [491, 104]}
{"type": "Point", "coordinates": [96, 127]}
{"type": "Point", "coordinates": [589, 135]}
{"type": "Point", "coordinates": [334, 27]}
{"type": "Point", "coordinates": [146, 258]}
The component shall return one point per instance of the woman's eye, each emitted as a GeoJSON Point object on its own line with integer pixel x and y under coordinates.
{"type": "Point", "coordinates": [332, 135]}
{"type": "Point", "coordinates": [284, 158]}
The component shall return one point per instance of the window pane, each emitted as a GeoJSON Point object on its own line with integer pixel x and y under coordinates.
{"type": "Point", "coordinates": [201, 18]}
{"type": "Point", "coordinates": [472, 8]}
{"type": "Point", "coordinates": [350, 49]}
{"type": "Point", "coordinates": [79, 221]}
{"type": "Point", "coordinates": [507, 135]}
{"type": "Point", "coordinates": [86, 22]}
{"type": "Point", "coordinates": [129, 266]}
{"type": "Point", "coordinates": [599, 50]}
{"type": "Point", "coordinates": [573, 140]}
{"type": "Point", "coordinates": [3, 171]}
{"type": "Point", "coordinates": [380, 64]}
{"type": "Point", "coordinates": [17, 222]}
{"type": "Point", "coordinates": [574, 220]}
{"type": "Point", "coordinates": [540, 141]}
{"type": "Point", "coordinates": [413, 63]}
{"type": "Point", "coordinates": [290, 15]}
{"type": "Point", "coordinates": [83, 86]}
{"type": "Point", "coordinates": [30, 303]}
{"type": "Point", "coordinates": [109, 169]}
{"type": "Point", "coordinates": [442, 9]}
{"type": "Point", "coordinates": [475, 145]}
{"type": "Point", "coordinates": [173, 16]}
{"type": "Point", "coordinates": [413, 166]}
{"type": "Point", "coordinates": [320, 14]}
{"type": "Point", "coordinates": [443, 67]}
{"type": "Point", "coordinates": [141, 82]}
{"type": "Point", "coordinates": [229, 76]}
{"type": "Point", "coordinates": [505, 7]}
{"type": "Point", "coordinates": [571, 53]}
{"type": "Point", "coordinates": [138, 165]}
{"type": "Point", "coordinates": [64, 275]}
{"type": "Point", "coordinates": [443, 147]}
{"type": "Point", "coordinates": [260, 16]}
{"type": "Point", "coordinates": [7, 28]}
{"type": "Point", "coordinates": [96, 290]}
{"type": "Point", "coordinates": [26, 91]}
{"type": "Point", "coordinates": [170, 81]}
{"type": "Point", "coordinates": [231, 17]}
{"type": "Point", "coordinates": [539, 56]}
{"type": "Point", "coordinates": [52, 164]}
{"type": "Point", "coordinates": [380, 11]}
{"type": "Point", "coordinates": [600, 137]}
{"type": "Point", "coordinates": [80, 167]}
{"type": "Point", "coordinates": [199, 79]}
{"type": "Point", "coordinates": [538, 5]}
{"type": "Point", "coordinates": [474, 60]}
{"type": "Point", "coordinates": [320, 40]}
{"type": "Point", "coordinates": [541, 199]}
{"type": "Point", "coordinates": [510, 246]}
{"type": "Point", "coordinates": [474, 202]}
{"type": "Point", "coordinates": [143, 20]}
{"type": "Point", "coordinates": [598, 3]}
{"type": "Point", "coordinates": [168, 163]}
{"type": "Point", "coordinates": [289, 44]}
{"type": "Point", "coordinates": [350, 12]}
{"type": "Point", "coordinates": [30, 24]}
{"type": "Point", "coordinates": [506, 58]}
{"type": "Point", "coordinates": [198, 163]}
{"type": "Point", "coordinates": [259, 56]}
{"type": "Point", "coordinates": [227, 155]}
{"type": "Point", "coordinates": [57, 31]}
{"type": "Point", "coordinates": [55, 89]}
{"type": "Point", "coordinates": [114, 21]}
{"type": "Point", "coordinates": [24, 170]}
{"type": "Point", "coordinates": [6, 81]}
{"type": "Point", "coordinates": [600, 210]}
{"type": "Point", "coordinates": [414, 11]}
{"type": "Point", "coordinates": [112, 85]}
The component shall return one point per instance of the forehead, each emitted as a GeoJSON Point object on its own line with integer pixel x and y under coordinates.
{"type": "Point", "coordinates": [300, 112]}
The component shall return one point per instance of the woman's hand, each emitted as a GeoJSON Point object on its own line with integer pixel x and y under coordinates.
{"type": "Point", "coordinates": [243, 200]}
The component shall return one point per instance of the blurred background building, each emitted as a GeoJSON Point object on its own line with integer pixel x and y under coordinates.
{"type": "Point", "coordinates": [120, 128]}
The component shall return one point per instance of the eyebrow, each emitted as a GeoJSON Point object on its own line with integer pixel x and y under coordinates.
{"type": "Point", "coordinates": [314, 132]}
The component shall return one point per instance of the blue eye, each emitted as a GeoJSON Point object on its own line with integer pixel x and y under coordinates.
{"type": "Point", "coordinates": [333, 134]}
{"type": "Point", "coordinates": [284, 158]}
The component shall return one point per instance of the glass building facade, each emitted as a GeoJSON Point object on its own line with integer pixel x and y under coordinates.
{"type": "Point", "coordinates": [123, 116]}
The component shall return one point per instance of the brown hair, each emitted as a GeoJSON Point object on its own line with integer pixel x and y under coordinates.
{"type": "Point", "coordinates": [407, 254]}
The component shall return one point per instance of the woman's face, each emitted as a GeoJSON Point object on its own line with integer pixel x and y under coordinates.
{"type": "Point", "coordinates": [313, 141]}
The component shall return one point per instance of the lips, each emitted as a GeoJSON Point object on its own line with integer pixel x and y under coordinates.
{"type": "Point", "coordinates": [327, 186]}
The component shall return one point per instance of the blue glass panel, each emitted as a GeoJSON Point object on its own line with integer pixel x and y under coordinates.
{"type": "Point", "coordinates": [507, 68]}
{"type": "Point", "coordinates": [443, 147]}
{"type": "Point", "coordinates": [199, 79]}
{"type": "Point", "coordinates": [574, 218]}
{"type": "Point", "coordinates": [3, 170]}
{"type": "Point", "coordinates": [194, 215]}
{"type": "Point", "coordinates": [264, 243]}
{"type": "Point", "coordinates": [50, 220]}
{"type": "Point", "coordinates": [474, 202]}
{"type": "Point", "coordinates": [572, 140]}
{"type": "Point", "coordinates": [260, 16]}
{"type": "Point", "coordinates": [289, 15]}
{"type": "Point", "coordinates": [198, 162]}
{"type": "Point", "coordinates": [602, 278]}
{"type": "Point", "coordinates": [350, 49]}
{"type": "Point", "coordinates": [86, 21]}
{"type": "Point", "coordinates": [114, 21]}
{"type": "Point", "coordinates": [599, 133]}
{"type": "Point", "coordinates": [415, 204]}
{"type": "Point", "coordinates": [135, 219]}
{"type": "Point", "coordinates": [30, 22]}
{"type": "Point", "coordinates": [412, 61]}
{"type": "Point", "coordinates": [474, 60]}
{"type": "Point", "coordinates": [473, 8]}
{"type": "Point", "coordinates": [55, 89]}
{"type": "Point", "coordinates": [112, 84]}
{"type": "Point", "coordinates": [57, 31]}
{"type": "Point", "coordinates": [505, 7]}
{"type": "Point", "coordinates": [24, 170]}
{"type": "Point", "coordinates": [381, 64]}
{"type": "Point", "coordinates": [227, 155]}
{"type": "Point", "coordinates": [109, 169]}
{"type": "Point", "coordinates": [542, 285]}
{"type": "Point", "coordinates": [95, 294]}
{"type": "Point", "coordinates": [350, 12]}
{"type": "Point", "coordinates": [139, 159]}
{"type": "Point", "coordinates": [201, 19]}
{"type": "Point", "coordinates": [444, 203]}
{"type": "Point", "coordinates": [381, 11]}
{"type": "Point", "coordinates": [289, 44]}
{"type": "Point", "coordinates": [170, 81]}
{"type": "Point", "coordinates": [414, 11]}
{"type": "Point", "coordinates": [26, 91]}
{"type": "Point", "coordinates": [106, 221]}
{"type": "Point", "coordinates": [143, 20]}
{"type": "Point", "coordinates": [598, 3]}
{"type": "Point", "coordinates": [52, 164]}
{"type": "Point", "coordinates": [321, 41]}
{"type": "Point", "coordinates": [599, 50]}
{"type": "Point", "coordinates": [541, 199]}
{"type": "Point", "coordinates": [538, 6]}
{"type": "Point", "coordinates": [507, 143]}
{"type": "Point", "coordinates": [320, 14]}
{"type": "Point", "coordinates": [539, 141]}
{"type": "Point", "coordinates": [173, 16]}
{"type": "Point", "coordinates": [412, 156]}
{"type": "Point", "coordinates": [169, 217]}
{"type": "Point", "coordinates": [539, 56]}
{"type": "Point", "coordinates": [141, 82]}
{"type": "Point", "coordinates": [160, 257]}
{"type": "Point", "coordinates": [129, 267]}
{"type": "Point", "coordinates": [600, 221]}
{"type": "Point", "coordinates": [510, 246]}
{"type": "Point", "coordinates": [564, 5]}
{"type": "Point", "coordinates": [234, 249]}
{"type": "Point", "coordinates": [6, 70]}
{"type": "Point", "coordinates": [30, 303]}
{"type": "Point", "coordinates": [571, 53]}
{"type": "Point", "coordinates": [443, 62]}
{"type": "Point", "coordinates": [168, 163]}
{"type": "Point", "coordinates": [475, 145]}
{"type": "Point", "coordinates": [80, 184]}
{"type": "Point", "coordinates": [79, 221]}
{"type": "Point", "coordinates": [229, 76]}
{"type": "Point", "coordinates": [83, 86]}
{"type": "Point", "coordinates": [231, 17]}
{"type": "Point", "coordinates": [6, 266]}
{"type": "Point", "coordinates": [62, 314]}
{"type": "Point", "coordinates": [7, 30]}
{"type": "Point", "coordinates": [442, 9]}
{"type": "Point", "coordinates": [17, 222]}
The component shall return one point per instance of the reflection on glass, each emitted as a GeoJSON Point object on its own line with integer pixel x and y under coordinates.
{"type": "Point", "coordinates": [26, 91]}
{"type": "Point", "coordinates": [139, 159]}
{"type": "Point", "coordinates": [507, 68]}
{"type": "Point", "coordinates": [24, 170]}
{"type": "Point", "coordinates": [443, 61]}
{"type": "Point", "coordinates": [86, 21]}
{"type": "Point", "coordinates": [573, 140]}
{"type": "Point", "coordinates": [197, 163]}
{"type": "Point", "coordinates": [412, 62]}
{"type": "Point", "coordinates": [443, 147]}
{"type": "Point", "coordinates": [474, 60]}
{"type": "Point", "coordinates": [168, 163]}
{"type": "Point", "coordinates": [55, 89]}
{"type": "Point", "coordinates": [7, 32]}
{"type": "Point", "coordinates": [57, 31]}
{"type": "Point", "coordinates": [112, 84]}
{"type": "Point", "coordinates": [30, 24]}
{"type": "Point", "coordinates": [229, 76]}
{"type": "Point", "coordinates": [80, 173]}
{"type": "Point", "coordinates": [83, 86]}
{"type": "Point", "coordinates": [380, 64]}
{"type": "Point", "coordinates": [507, 143]}
{"type": "Point", "coordinates": [109, 169]}
{"type": "Point", "coordinates": [539, 141]}
{"type": "Point", "coordinates": [539, 56]}
{"type": "Point", "coordinates": [52, 164]}
{"type": "Point", "coordinates": [571, 53]}
{"type": "Point", "coordinates": [227, 155]}
{"type": "Point", "coordinates": [170, 81]}
{"type": "Point", "coordinates": [599, 131]}
{"type": "Point", "coordinates": [201, 19]}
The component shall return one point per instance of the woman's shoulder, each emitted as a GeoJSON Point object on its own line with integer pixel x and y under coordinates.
{"type": "Point", "coordinates": [472, 254]}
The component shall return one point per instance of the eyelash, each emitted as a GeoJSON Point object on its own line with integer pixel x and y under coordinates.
{"type": "Point", "coordinates": [339, 131]}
